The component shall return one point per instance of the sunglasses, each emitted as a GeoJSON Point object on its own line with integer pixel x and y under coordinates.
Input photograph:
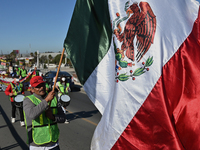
{"type": "Point", "coordinates": [40, 85]}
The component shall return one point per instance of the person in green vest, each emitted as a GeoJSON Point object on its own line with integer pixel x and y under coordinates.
{"type": "Point", "coordinates": [40, 118]}
{"type": "Point", "coordinates": [36, 72]}
{"type": "Point", "coordinates": [23, 72]}
{"type": "Point", "coordinates": [62, 86]}
{"type": "Point", "coordinates": [63, 89]}
{"type": "Point", "coordinates": [17, 72]}
{"type": "Point", "coordinates": [13, 89]}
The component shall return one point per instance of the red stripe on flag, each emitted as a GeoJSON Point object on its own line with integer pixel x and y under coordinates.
{"type": "Point", "coordinates": [170, 116]}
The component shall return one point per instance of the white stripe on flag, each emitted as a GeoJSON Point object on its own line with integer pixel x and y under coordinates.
{"type": "Point", "coordinates": [101, 83]}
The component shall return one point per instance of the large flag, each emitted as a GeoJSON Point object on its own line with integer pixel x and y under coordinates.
{"type": "Point", "coordinates": [138, 62]}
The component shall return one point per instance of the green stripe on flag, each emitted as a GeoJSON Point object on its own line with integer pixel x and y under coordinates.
{"type": "Point", "coordinates": [89, 36]}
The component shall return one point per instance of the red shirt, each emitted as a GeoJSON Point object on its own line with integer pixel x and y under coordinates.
{"type": "Point", "coordinates": [9, 90]}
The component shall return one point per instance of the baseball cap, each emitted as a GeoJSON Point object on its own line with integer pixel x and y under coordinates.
{"type": "Point", "coordinates": [36, 80]}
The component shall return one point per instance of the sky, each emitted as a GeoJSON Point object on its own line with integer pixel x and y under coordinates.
{"type": "Point", "coordinates": [31, 25]}
{"type": "Point", "coordinates": [34, 25]}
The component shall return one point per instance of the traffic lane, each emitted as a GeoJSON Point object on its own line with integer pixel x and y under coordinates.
{"type": "Point", "coordinates": [82, 107]}
{"type": "Point", "coordinates": [76, 135]}
{"type": "Point", "coordinates": [12, 136]}
{"type": "Point", "coordinates": [83, 117]}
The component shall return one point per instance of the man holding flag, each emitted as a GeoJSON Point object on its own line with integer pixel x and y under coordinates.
{"type": "Point", "coordinates": [139, 64]}
{"type": "Point", "coordinates": [40, 118]}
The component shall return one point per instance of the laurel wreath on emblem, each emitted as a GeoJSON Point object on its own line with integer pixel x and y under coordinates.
{"type": "Point", "coordinates": [140, 25]}
{"type": "Point", "coordinates": [137, 72]}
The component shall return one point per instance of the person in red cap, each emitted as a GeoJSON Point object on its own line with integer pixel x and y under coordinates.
{"type": "Point", "coordinates": [40, 118]}
{"type": "Point", "coordinates": [13, 89]}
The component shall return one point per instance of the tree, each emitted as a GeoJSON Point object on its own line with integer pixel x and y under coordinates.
{"type": "Point", "coordinates": [69, 62]}
{"type": "Point", "coordinates": [35, 54]}
{"type": "Point", "coordinates": [56, 59]}
{"type": "Point", "coordinates": [43, 59]}
{"type": "Point", "coordinates": [50, 57]}
{"type": "Point", "coordinates": [8, 56]}
{"type": "Point", "coordinates": [13, 55]}
{"type": "Point", "coordinates": [31, 54]}
{"type": "Point", "coordinates": [35, 57]}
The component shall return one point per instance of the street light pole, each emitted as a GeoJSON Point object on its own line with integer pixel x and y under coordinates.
{"type": "Point", "coordinates": [38, 54]}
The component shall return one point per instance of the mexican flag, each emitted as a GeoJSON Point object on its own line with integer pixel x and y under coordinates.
{"type": "Point", "coordinates": [138, 62]}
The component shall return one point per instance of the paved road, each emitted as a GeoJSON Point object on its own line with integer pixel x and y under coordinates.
{"type": "Point", "coordinates": [76, 135]}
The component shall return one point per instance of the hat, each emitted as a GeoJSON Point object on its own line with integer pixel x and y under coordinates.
{"type": "Point", "coordinates": [35, 81]}
{"type": "Point", "coordinates": [63, 79]}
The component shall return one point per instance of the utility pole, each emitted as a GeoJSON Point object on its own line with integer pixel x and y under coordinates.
{"type": "Point", "coordinates": [48, 59]}
{"type": "Point", "coordinates": [38, 54]}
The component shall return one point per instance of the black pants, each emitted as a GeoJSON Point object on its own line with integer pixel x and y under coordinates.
{"type": "Point", "coordinates": [20, 111]}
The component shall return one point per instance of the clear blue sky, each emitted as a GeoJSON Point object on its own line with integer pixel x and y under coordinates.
{"type": "Point", "coordinates": [31, 25]}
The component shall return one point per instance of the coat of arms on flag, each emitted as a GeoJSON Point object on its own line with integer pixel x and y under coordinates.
{"type": "Point", "coordinates": [140, 27]}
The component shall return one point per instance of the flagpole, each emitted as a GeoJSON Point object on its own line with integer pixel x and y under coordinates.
{"type": "Point", "coordinates": [57, 72]}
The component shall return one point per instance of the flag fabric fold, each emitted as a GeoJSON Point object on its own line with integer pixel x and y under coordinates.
{"type": "Point", "coordinates": [145, 82]}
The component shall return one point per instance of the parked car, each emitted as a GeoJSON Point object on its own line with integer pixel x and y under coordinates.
{"type": "Point", "coordinates": [32, 69]}
{"type": "Point", "coordinates": [50, 76]}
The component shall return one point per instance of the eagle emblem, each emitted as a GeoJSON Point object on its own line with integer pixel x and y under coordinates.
{"type": "Point", "coordinates": [141, 24]}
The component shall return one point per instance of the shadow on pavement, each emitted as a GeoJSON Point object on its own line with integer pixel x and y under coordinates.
{"type": "Point", "coordinates": [16, 136]}
{"type": "Point", "coordinates": [76, 88]}
{"type": "Point", "coordinates": [3, 126]}
{"type": "Point", "coordinates": [82, 114]}
{"type": "Point", "coordinates": [10, 147]}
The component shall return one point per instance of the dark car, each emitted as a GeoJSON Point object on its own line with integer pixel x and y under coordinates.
{"type": "Point", "coordinates": [49, 78]}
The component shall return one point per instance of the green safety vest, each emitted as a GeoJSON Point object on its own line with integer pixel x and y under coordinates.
{"type": "Point", "coordinates": [18, 72]}
{"type": "Point", "coordinates": [44, 130]}
{"type": "Point", "coordinates": [47, 86]}
{"type": "Point", "coordinates": [61, 87]}
{"type": "Point", "coordinates": [37, 73]}
{"type": "Point", "coordinates": [23, 72]}
{"type": "Point", "coordinates": [14, 89]}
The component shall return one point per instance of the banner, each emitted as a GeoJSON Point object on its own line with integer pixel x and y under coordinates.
{"type": "Point", "coordinates": [26, 60]}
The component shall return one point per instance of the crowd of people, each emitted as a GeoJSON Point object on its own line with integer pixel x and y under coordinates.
{"type": "Point", "coordinates": [41, 110]}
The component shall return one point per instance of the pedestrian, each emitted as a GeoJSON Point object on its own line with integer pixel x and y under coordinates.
{"type": "Point", "coordinates": [36, 72]}
{"type": "Point", "coordinates": [63, 87]}
{"type": "Point", "coordinates": [13, 89]}
{"type": "Point", "coordinates": [40, 119]}
{"type": "Point", "coordinates": [10, 70]}
{"type": "Point", "coordinates": [23, 72]}
{"type": "Point", "coordinates": [14, 73]}
{"type": "Point", "coordinates": [17, 72]}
